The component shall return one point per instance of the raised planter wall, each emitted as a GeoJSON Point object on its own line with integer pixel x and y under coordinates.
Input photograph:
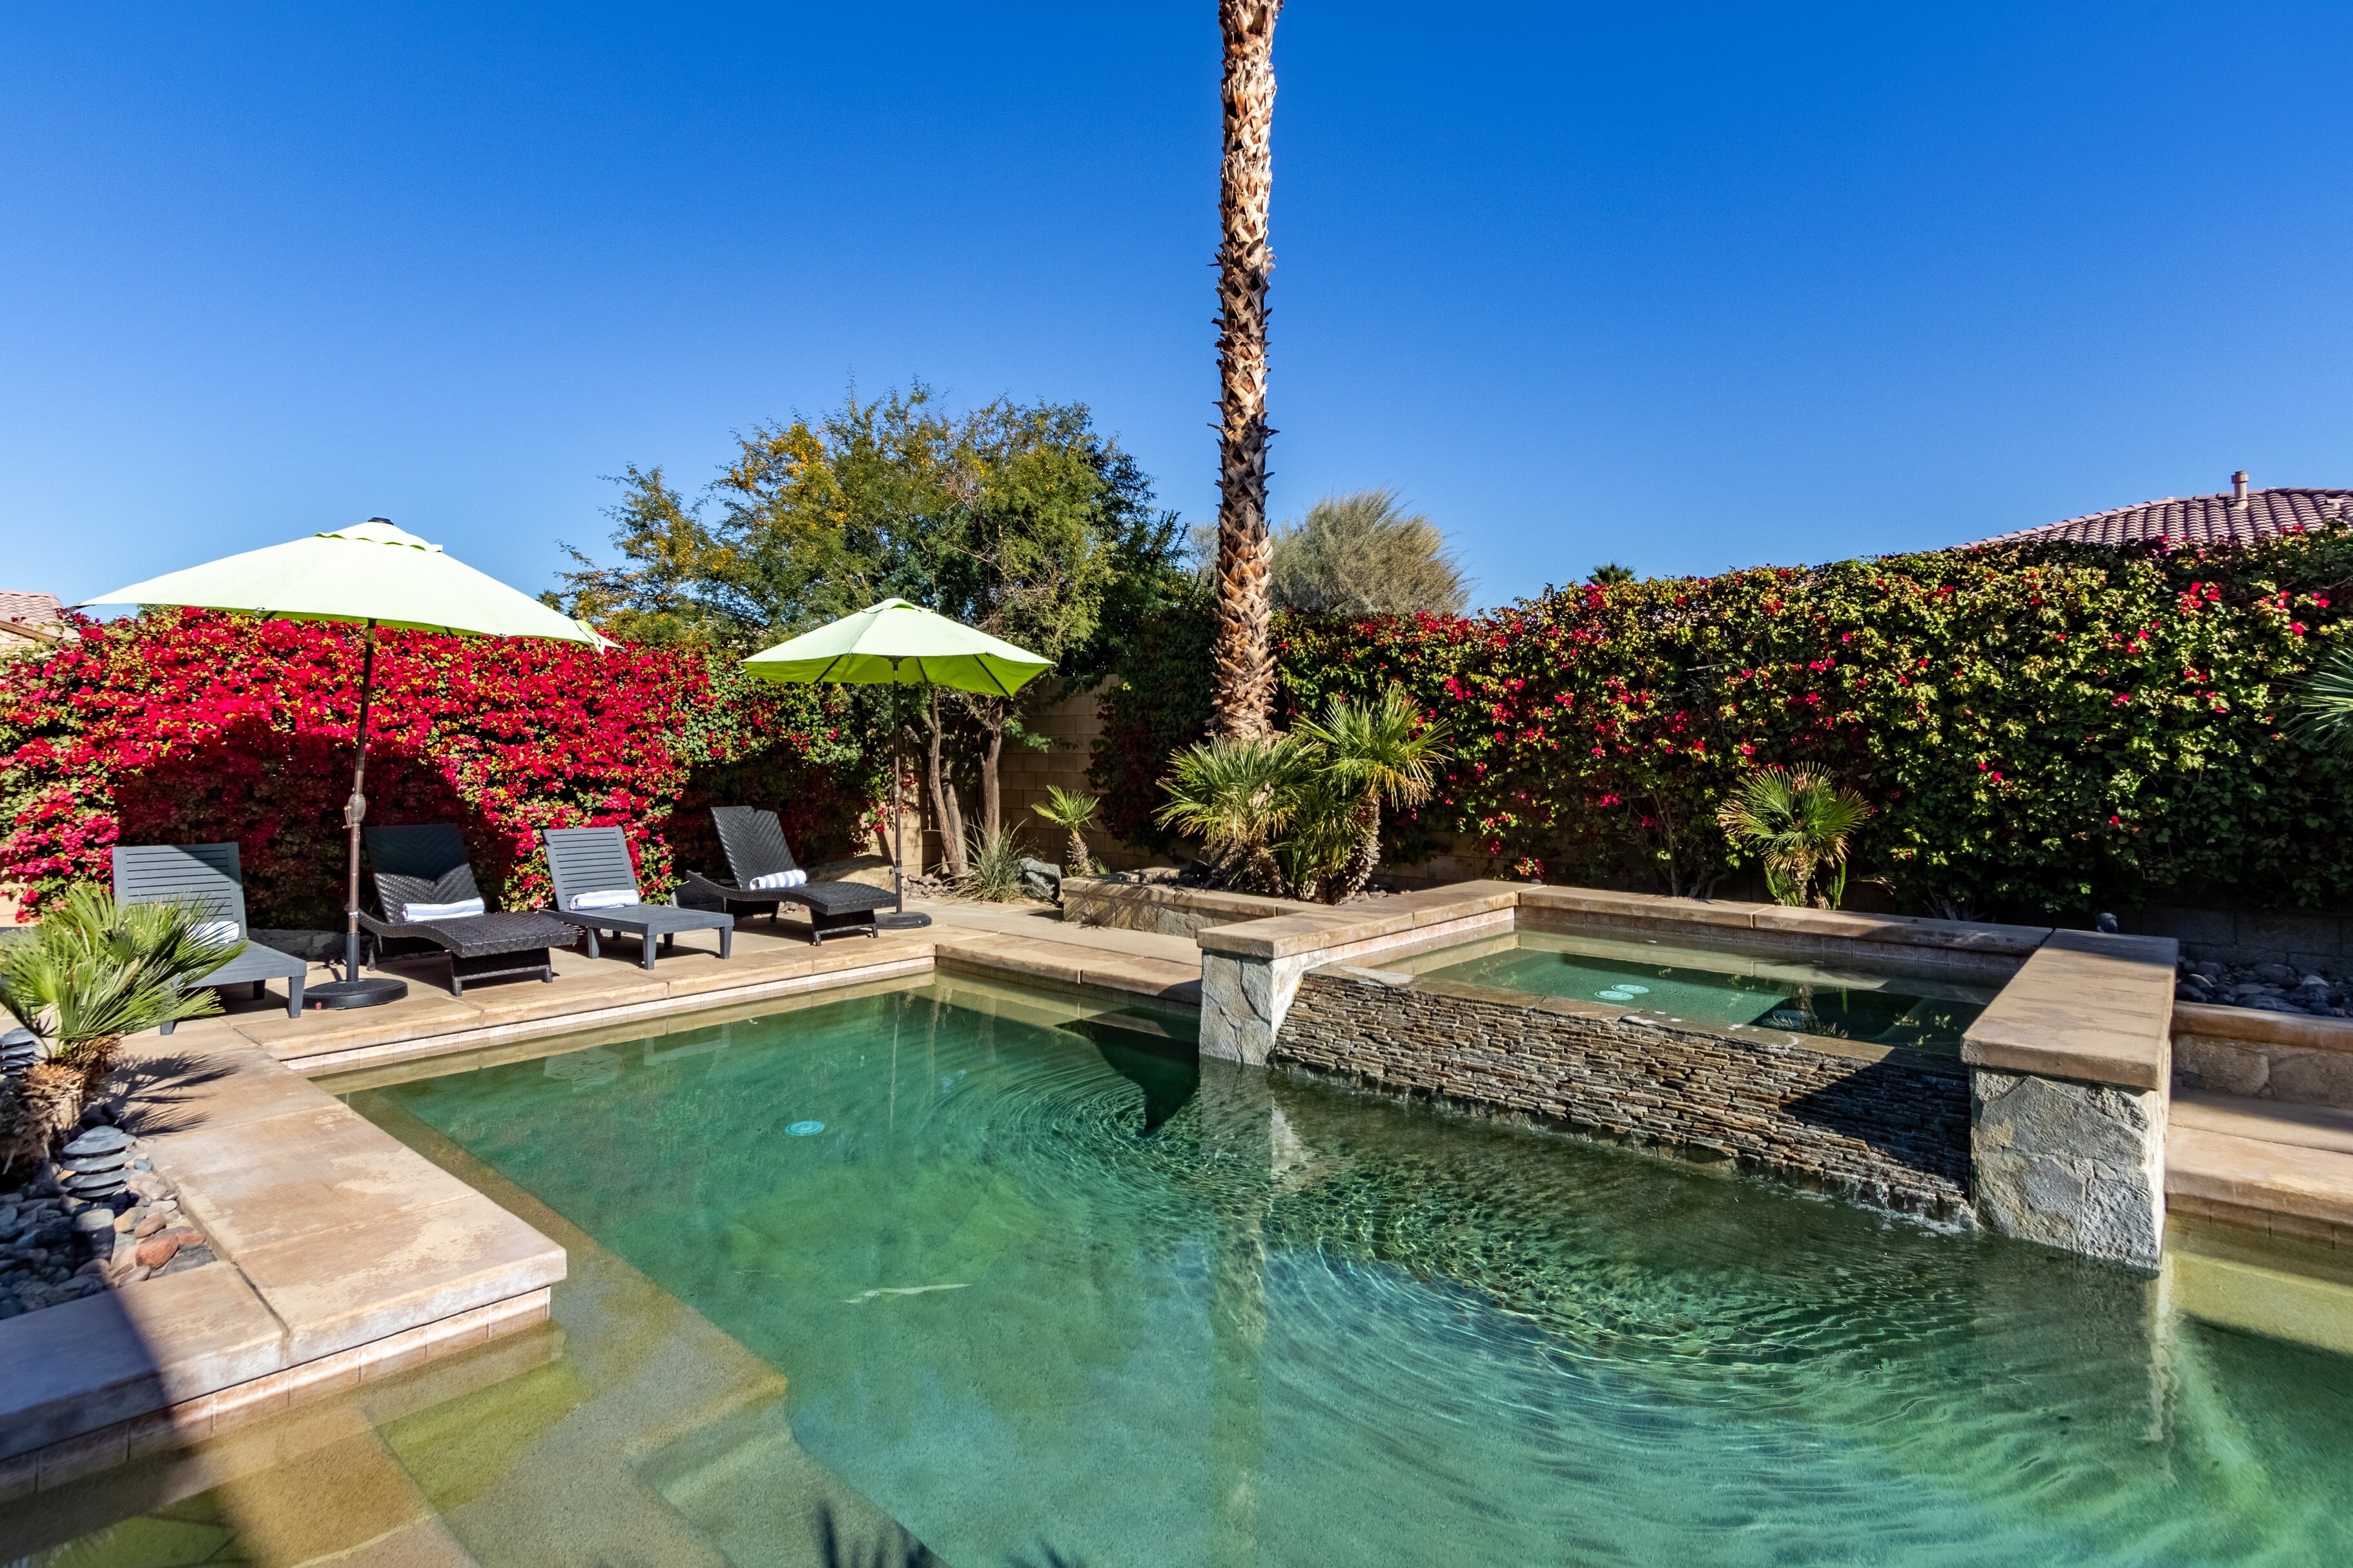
{"type": "Point", "coordinates": [2285, 1057]}
{"type": "Point", "coordinates": [1165, 908]}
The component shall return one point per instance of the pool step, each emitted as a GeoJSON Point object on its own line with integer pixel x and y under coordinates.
{"type": "Point", "coordinates": [2281, 1168]}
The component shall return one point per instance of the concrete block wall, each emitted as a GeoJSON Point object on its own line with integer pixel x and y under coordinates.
{"type": "Point", "coordinates": [2308, 940]}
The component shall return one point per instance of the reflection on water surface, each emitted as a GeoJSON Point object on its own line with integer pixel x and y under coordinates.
{"type": "Point", "coordinates": [1042, 1282]}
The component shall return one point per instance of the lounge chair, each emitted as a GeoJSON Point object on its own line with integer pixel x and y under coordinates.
{"type": "Point", "coordinates": [423, 886]}
{"type": "Point", "coordinates": [206, 875]}
{"type": "Point", "coordinates": [756, 852]}
{"type": "Point", "coordinates": [597, 891]}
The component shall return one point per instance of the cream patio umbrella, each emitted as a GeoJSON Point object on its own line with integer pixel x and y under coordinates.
{"type": "Point", "coordinates": [896, 643]}
{"type": "Point", "coordinates": [379, 575]}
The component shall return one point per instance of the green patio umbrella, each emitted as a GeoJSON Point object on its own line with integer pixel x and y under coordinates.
{"type": "Point", "coordinates": [895, 642]}
{"type": "Point", "coordinates": [374, 574]}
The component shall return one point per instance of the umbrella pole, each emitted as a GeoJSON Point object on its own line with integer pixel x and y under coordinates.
{"type": "Point", "coordinates": [355, 811]}
{"type": "Point", "coordinates": [898, 919]}
{"type": "Point", "coordinates": [352, 991]}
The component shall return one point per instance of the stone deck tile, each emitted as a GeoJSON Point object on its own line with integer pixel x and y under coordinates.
{"type": "Point", "coordinates": [261, 1182]}
{"type": "Point", "coordinates": [1036, 922]}
{"type": "Point", "coordinates": [576, 991]}
{"type": "Point", "coordinates": [419, 1015]}
{"type": "Point", "coordinates": [2265, 1120]}
{"type": "Point", "coordinates": [2227, 1153]}
{"type": "Point", "coordinates": [345, 1287]}
{"type": "Point", "coordinates": [1143, 976]}
{"type": "Point", "coordinates": [796, 960]}
{"type": "Point", "coordinates": [107, 1358]}
{"type": "Point", "coordinates": [1016, 955]}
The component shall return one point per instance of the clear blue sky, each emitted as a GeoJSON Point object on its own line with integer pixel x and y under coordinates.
{"type": "Point", "coordinates": [1687, 288]}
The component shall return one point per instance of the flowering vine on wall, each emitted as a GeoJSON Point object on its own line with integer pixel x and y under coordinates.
{"type": "Point", "coordinates": [2040, 730]}
{"type": "Point", "coordinates": [192, 727]}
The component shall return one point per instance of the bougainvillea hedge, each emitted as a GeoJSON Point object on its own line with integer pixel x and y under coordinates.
{"type": "Point", "coordinates": [187, 727]}
{"type": "Point", "coordinates": [2040, 730]}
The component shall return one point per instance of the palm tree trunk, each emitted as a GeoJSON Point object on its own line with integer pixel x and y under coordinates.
{"type": "Point", "coordinates": [1244, 701]}
{"type": "Point", "coordinates": [1357, 873]}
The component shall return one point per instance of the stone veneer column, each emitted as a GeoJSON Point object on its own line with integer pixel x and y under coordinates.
{"type": "Point", "coordinates": [1250, 971]}
{"type": "Point", "coordinates": [2070, 1069]}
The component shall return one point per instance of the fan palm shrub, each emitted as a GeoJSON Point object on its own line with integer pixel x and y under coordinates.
{"type": "Point", "coordinates": [1299, 816]}
{"type": "Point", "coordinates": [1073, 811]}
{"type": "Point", "coordinates": [1237, 797]}
{"type": "Point", "coordinates": [92, 972]}
{"type": "Point", "coordinates": [2321, 710]}
{"type": "Point", "coordinates": [1376, 754]}
{"type": "Point", "coordinates": [1796, 821]}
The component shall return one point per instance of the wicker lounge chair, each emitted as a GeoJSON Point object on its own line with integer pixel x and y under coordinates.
{"type": "Point", "coordinates": [208, 874]}
{"type": "Point", "coordinates": [755, 842]}
{"type": "Point", "coordinates": [590, 864]}
{"type": "Point", "coordinates": [427, 865]}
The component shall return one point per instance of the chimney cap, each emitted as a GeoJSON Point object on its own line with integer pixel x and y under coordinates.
{"type": "Point", "coordinates": [2239, 485]}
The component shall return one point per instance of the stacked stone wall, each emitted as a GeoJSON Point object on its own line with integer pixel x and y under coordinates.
{"type": "Point", "coordinates": [1892, 1129]}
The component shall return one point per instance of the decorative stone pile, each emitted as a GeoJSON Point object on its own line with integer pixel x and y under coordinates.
{"type": "Point", "coordinates": [20, 1048]}
{"type": "Point", "coordinates": [2268, 987]}
{"type": "Point", "coordinates": [99, 1217]}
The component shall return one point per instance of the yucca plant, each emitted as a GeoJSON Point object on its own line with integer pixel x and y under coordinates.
{"type": "Point", "coordinates": [1796, 822]}
{"type": "Point", "coordinates": [1073, 811]}
{"type": "Point", "coordinates": [1374, 753]}
{"type": "Point", "coordinates": [992, 865]}
{"type": "Point", "coordinates": [1237, 797]}
{"type": "Point", "coordinates": [92, 972]}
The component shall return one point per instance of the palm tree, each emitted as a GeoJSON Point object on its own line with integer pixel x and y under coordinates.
{"type": "Point", "coordinates": [1244, 664]}
{"type": "Point", "coordinates": [1071, 811]}
{"type": "Point", "coordinates": [1797, 821]}
{"type": "Point", "coordinates": [90, 972]}
{"type": "Point", "coordinates": [1375, 752]}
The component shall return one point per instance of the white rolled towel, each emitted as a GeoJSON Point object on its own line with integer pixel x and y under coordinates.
{"type": "Point", "coordinates": [414, 913]}
{"type": "Point", "coordinates": [610, 899]}
{"type": "Point", "coordinates": [792, 879]}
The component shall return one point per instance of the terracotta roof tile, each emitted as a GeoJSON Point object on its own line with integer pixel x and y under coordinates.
{"type": "Point", "coordinates": [2197, 520]}
{"type": "Point", "coordinates": [29, 609]}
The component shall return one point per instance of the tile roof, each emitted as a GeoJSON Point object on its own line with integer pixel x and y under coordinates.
{"type": "Point", "coordinates": [2224, 519]}
{"type": "Point", "coordinates": [32, 609]}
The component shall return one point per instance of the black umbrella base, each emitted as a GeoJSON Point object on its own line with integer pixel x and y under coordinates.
{"type": "Point", "coordinates": [890, 920]}
{"type": "Point", "coordinates": [373, 992]}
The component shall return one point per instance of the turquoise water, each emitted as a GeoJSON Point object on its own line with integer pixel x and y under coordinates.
{"type": "Point", "coordinates": [1880, 1006]}
{"type": "Point", "coordinates": [1042, 1282]}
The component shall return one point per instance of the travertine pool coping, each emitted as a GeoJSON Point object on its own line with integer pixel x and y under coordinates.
{"type": "Point", "coordinates": [343, 1255]}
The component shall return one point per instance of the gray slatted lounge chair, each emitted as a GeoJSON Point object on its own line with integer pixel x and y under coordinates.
{"type": "Point", "coordinates": [208, 874]}
{"type": "Point", "coordinates": [426, 864]}
{"type": "Point", "coordinates": [589, 861]}
{"type": "Point", "coordinates": [755, 842]}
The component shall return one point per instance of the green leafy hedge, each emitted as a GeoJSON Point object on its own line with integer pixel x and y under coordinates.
{"type": "Point", "coordinates": [2041, 730]}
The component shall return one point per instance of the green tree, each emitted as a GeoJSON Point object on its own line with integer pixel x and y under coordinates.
{"type": "Point", "coordinates": [1020, 519]}
{"type": "Point", "coordinates": [1364, 554]}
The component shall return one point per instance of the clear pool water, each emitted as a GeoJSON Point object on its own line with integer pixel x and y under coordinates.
{"type": "Point", "coordinates": [1923, 1009]}
{"type": "Point", "coordinates": [1043, 1283]}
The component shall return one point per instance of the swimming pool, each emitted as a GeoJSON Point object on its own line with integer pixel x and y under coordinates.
{"type": "Point", "coordinates": [1038, 1278]}
{"type": "Point", "coordinates": [1923, 1009]}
